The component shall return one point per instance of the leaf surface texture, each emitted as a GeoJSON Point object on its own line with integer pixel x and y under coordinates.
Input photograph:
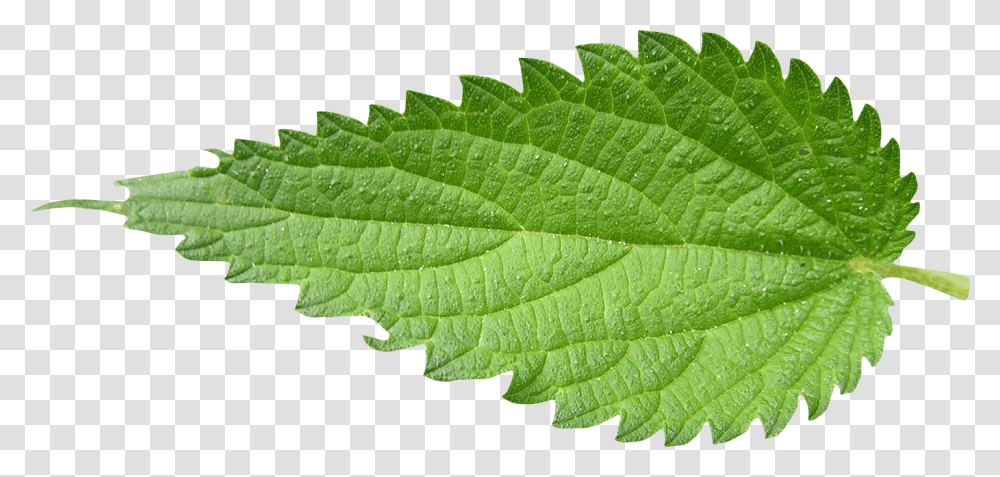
{"type": "Point", "coordinates": [668, 240]}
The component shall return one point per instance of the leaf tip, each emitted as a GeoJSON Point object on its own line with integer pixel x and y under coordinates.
{"type": "Point", "coordinates": [105, 205]}
{"type": "Point", "coordinates": [50, 205]}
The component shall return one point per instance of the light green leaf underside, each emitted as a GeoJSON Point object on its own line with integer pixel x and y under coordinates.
{"type": "Point", "coordinates": [668, 240]}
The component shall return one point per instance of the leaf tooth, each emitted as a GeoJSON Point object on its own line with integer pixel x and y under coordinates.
{"type": "Point", "coordinates": [802, 77]}
{"type": "Point", "coordinates": [247, 148]}
{"type": "Point", "coordinates": [811, 394]}
{"type": "Point", "coordinates": [902, 211]}
{"type": "Point", "coordinates": [299, 147]}
{"type": "Point", "coordinates": [198, 237]}
{"type": "Point", "coordinates": [720, 62]}
{"type": "Point", "coordinates": [869, 129]}
{"type": "Point", "coordinates": [764, 64]}
{"type": "Point", "coordinates": [890, 156]}
{"type": "Point", "coordinates": [721, 45]}
{"type": "Point", "coordinates": [288, 137]}
{"type": "Point", "coordinates": [743, 400]}
{"type": "Point", "coordinates": [824, 391]}
{"type": "Point", "coordinates": [424, 111]}
{"type": "Point", "coordinates": [529, 384]}
{"type": "Point", "coordinates": [603, 62]}
{"type": "Point", "coordinates": [851, 377]}
{"type": "Point", "coordinates": [775, 422]}
{"type": "Point", "coordinates": [685, 433]}
{"type": "Point", "coordinates": [578, 407]}
{"type": "Point", "coordinates": [386, 319]}
{"type": "Point", "coordinates": [544, 82]}
{"type": "Point", "coordinates": [473, 99]}
{"type": "Point", "coordinates": [637, 422]}
{"type": "Point", "coordinates": [906, 187]}
{"type": "Point", "coordinates": [395, 341]}
{"type": "Point", "coordinates": [318, 291]}
{"type": "Point", "coordinates": [910, 211]}
{"type": "Point", "coordinates": [657, 46]}
{"type": "Point", "coordinates": [384, 112]}
{"type": "Point", "coordinates": [328, 124]}
{"type": "Point", "coordinates": [225, 159]}
{"type": "Point", "coordinates": [380, 344]}
{"type": "Point", "coordinates": [434, 103]}
{"type": "Point", "coordinates": [802, 91]}
{"type": "Point", "coordinates": [874, 353]}
{"type": "Point", "coordinates": [738, 426]}
{"type": "Point", "coordinates": [237, 266]}
{"type": "Point", "coordinates": [383, 121]}
{"type": "Point", "coordinates": [838, 100]}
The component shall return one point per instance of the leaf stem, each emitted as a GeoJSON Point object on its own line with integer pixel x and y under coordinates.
{"type": "Point", "coordinates": [945, 282]}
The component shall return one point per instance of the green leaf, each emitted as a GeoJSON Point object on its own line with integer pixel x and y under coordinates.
{"type": "Point", "coordinates": [682, 237]}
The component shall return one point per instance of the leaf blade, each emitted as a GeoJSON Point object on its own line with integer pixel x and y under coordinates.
{"type": "Point", "coordinates": [611, 241]}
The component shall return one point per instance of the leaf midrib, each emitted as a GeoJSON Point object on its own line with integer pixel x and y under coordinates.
{"type": "Point", "coordinates": [483, 229]}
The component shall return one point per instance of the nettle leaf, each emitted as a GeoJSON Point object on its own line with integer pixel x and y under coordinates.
{"type": "Point", "coordinates": [680, 238]}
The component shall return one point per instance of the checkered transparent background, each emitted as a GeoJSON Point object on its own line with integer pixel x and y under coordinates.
{"type": "Point", "coordinates": [119, 357]}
